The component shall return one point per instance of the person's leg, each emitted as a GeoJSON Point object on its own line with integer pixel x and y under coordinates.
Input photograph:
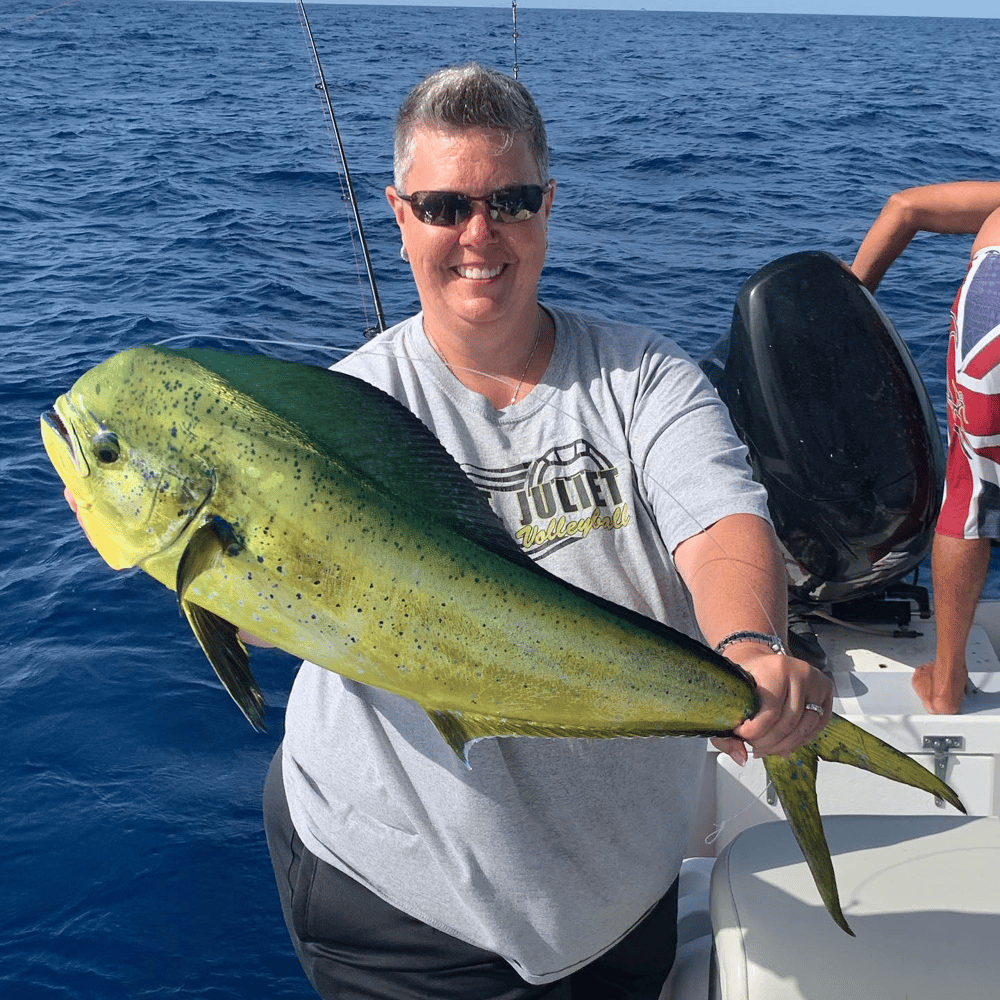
{"type": "Point", "coordinates": [638, 966]}
{"type": "Point", "coordinates": [355, 946]}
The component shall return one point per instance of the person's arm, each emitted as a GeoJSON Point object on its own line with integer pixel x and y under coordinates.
{"type": "Point", "coordinates": [737, 581]}
{"type": "Point", "coordinates": [959, 207]}
{"type": "Point", "coordinates": [958, 567]}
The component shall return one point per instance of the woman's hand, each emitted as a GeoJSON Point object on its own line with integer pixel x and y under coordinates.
{"type": "Point", "coordinates": [785, 686]}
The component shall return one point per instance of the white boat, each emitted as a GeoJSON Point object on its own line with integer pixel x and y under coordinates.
{"type": "Point", "coordinates": [919, 882]}
{"type": "Point", "coordinates": [841, 431]}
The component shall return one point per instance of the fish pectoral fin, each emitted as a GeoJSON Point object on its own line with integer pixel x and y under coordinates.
{"type": "Point", "coordinates": [846, 743]}
{"type": "Point", "coordinates": [204, 551]}
{"type": "Point", "coordinates": [214, 540]}
{"type": "Point", "coordinates": [229, 659]}
{"type": "Point", "coordinates": [794, 781]}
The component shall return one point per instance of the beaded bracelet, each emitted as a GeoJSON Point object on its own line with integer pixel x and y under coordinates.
{"type": "Point", "coordinates": [769, 640]}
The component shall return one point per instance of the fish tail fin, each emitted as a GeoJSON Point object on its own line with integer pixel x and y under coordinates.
{"type": "Point", "coordinates": [794, 781]}
{"type": "Point", "coordinates": [846, 743]}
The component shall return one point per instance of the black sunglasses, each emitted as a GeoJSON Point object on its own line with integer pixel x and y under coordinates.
{"type": "Point", "coordinates": [450, 208]}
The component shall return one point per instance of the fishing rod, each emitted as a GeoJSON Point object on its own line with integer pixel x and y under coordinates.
{"type": "Point", "coordinates": [321, 85]}
{"type": "Point", "coordinates": [513, 7]}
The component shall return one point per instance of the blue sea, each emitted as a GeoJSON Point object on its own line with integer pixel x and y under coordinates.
{"type": "Point", "coordinates": [167, 174]}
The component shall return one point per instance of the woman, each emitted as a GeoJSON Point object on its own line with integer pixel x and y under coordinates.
{"type": "Point", "coordinates": [548, 868]}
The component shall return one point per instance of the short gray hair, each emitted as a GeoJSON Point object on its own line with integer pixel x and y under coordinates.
{"type": "Point", "coordinates": [469, 97]}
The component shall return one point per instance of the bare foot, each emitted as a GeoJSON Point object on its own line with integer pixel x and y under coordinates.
{"type": "Point", "coordinates": [941, 694]}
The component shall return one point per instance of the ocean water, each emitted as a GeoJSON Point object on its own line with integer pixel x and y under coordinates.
{"type": "Point", "coordinates": [166, 173]}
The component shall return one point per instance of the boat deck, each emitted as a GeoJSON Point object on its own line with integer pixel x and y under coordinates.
{"type": "Point", "coordinates": [751, 926]}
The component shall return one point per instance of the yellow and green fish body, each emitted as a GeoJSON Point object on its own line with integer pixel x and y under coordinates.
{"type": "Point", "coordinates": [276, 518]}
{"type": "Point", "coordinates": [310, 509]}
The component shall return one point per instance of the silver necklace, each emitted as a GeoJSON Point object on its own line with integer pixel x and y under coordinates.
{"type": "Point", "coordinates": [527, 365]}
{"type": "Point", "coordinates": [531, 357]}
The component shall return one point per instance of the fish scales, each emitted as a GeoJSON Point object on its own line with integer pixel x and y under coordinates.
{"type": "Point", "coordinates": [371, 584]}
{"type": "Point", "coordinates": [313, 510]}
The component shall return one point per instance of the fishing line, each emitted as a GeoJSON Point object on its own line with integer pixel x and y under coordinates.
{"type": "Point", "coordinates": [31, 17]}
{"type": "Point", "coordinates": [720, 825]}
{"type": "Point", "coordinates": [232, 338]}
{"type": "Point", "coordinates": [322, 86]}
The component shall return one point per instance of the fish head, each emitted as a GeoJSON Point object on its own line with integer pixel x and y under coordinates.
{"type": "Point", "coordinates": [134, 494]}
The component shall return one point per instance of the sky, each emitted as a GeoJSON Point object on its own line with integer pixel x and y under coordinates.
{"type": "Point", "coordinates": [885, 8]}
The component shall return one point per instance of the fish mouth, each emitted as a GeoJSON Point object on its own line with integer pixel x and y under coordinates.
{"type": "Point", "coordinates": [63, 430]}
{"type": "Point", "coordinates": [52, 418]}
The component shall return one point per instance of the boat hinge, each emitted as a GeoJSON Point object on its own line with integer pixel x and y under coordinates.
{"type": "Point", "coordinates": [941, 745]}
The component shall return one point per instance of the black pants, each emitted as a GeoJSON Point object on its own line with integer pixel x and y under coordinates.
{"type": "Point", "coordinates": [355, 946]}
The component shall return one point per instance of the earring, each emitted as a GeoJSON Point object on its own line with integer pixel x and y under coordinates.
{"type": "Point", "coordinates": [404, 255]}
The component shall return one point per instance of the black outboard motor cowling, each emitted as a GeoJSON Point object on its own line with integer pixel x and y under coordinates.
{"type": "Point", "coordinates": [839, 426]}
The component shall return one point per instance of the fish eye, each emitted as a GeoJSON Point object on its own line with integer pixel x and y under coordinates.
{"type": "Point", "coordinates": [107, 451]}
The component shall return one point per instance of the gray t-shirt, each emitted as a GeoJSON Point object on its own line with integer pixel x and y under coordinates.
{"type": "Point", "coordinates": [544, 851]}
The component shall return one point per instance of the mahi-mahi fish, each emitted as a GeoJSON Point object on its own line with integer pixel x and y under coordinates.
{"type": "Point", "coordinates": [315, 511]}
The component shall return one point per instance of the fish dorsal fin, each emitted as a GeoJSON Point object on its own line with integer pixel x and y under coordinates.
{"type": "Point", "coordinates": [365, 429]}
{"type": "Point", "coordinates": [378, 438]}
{"type": "Point", "coordinates": [206, 549]}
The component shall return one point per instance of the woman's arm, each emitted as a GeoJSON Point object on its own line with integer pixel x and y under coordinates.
{"type": "Point", "coordinates": [736, 576]}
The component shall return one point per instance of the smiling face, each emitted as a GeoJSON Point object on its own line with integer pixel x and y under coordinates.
{"type": "Point", "coordinates": [480, 272]}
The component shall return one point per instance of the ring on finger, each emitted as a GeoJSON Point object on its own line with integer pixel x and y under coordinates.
{"type": "Point", "coordinates": [813, 707]}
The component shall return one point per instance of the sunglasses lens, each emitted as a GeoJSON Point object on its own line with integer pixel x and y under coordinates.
{"type": "Point", "coordinates": [451, 208]}
{"type": "Point", "coordinates": [440, 208]}
{"type": "Point", "coordinates": [517, 203]}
